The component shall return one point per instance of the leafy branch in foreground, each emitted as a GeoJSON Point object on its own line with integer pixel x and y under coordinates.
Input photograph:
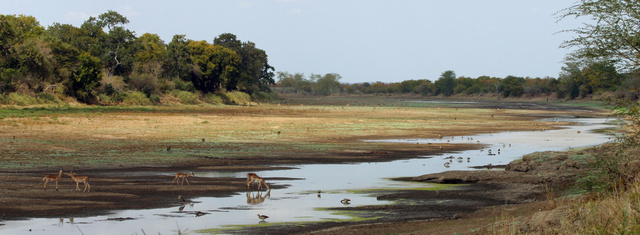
{"type": "Point", "coordinates": [612, 34]}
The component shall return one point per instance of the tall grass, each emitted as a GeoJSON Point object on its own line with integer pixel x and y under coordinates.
{"type": "Point", "coordinates": [15, 98]}
{"type": "Point", "coordinates": [136, 98]}
{"type": "Point", "coordinates": [186, 97]}
{"type": "Point", "coordinates": [614, 213]}
{"type": "Point", "coordinates": [235, 97]}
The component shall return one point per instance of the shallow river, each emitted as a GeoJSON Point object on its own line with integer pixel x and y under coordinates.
{"type": "Point", "coordinates": [299, 201]}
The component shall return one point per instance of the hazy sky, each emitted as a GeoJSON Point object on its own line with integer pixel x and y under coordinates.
{"type": "Point", "coordinates": [362, 40]}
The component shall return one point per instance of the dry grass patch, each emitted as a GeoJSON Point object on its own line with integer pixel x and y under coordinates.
{"type": "Point", "coordinates": [139, 136]}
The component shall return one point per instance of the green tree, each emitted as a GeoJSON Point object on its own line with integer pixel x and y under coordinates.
{"type": "Point", "coordinates": [150, 55]}
{"type": "Point", "coordinates": [111, 19]}
{"type": "Point", "coordinates": [512, 86]}
{"type": "Point", "coordinates": [114, 48]}
{"type": "Point", "coordinates": [255, 72]}
{"type": "Point", "coordinates": [177, 62]}
{"type": "Point", "coordinates": [294, 83]}
{"type": "Point", "coordinates": [446, 83]}
{"type": "Point", "coordinates": [612, 31]}
{"type": "Point", "coordinates": [86, 79]}
{"type": "Point", "coordinates": [216, 67]}
{"type": "Point", "coordinates": [24, 57]}
{"type": "Point", "coordinates": [14, 30]}
{"type": "Point", "coordinates": [327, 84]}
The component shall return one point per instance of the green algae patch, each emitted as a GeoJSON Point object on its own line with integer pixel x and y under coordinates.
{"type": "Point", "coordinates": [239, 228]}
{"type": "Point", "coordinates": [420, 186]}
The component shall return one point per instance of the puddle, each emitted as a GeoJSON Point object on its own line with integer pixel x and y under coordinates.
{"type": "Point", "coordinates": [299, 201]}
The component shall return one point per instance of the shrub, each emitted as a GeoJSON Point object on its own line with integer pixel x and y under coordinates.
{"type": "Point", "coordinates": [236, 97]}
{"type": "Point", "coordinates": [155, 99]}
{"type": "Point", "coordinates": [213, 99]}
{"type": "Point", "coordinates": [262, 96]}
{"type": "Point", "coordinates": [146, 83]}
{"type": "Point", "coordinates": [182, 85]}
{"type": "Point", "coordinates": [19, 99]}
{"type": "Point", "coordinates": [136, 98]}
{"type": "Point", "coordinates": [186, 97]}
{"type": "Point", "coordinates": [48, 98]}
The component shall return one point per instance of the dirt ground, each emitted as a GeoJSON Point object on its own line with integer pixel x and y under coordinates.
{"type": "Point", "coordinates": [485, 195]}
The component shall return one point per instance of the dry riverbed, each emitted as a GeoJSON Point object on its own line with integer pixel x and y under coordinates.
{"type": "Point", "coordinates": [121, 149]}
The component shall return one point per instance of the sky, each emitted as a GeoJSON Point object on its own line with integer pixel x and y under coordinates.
{"type": "Point", "coordinates": [362, 40]}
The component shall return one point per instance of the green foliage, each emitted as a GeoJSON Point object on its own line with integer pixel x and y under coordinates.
{"type": "Point", "coordinates": [255, 72]}
{"type": "Point", "coordinates": [216, 67]}
{"type": "Point", "coordinates": [262, 96]}
{"type": "Point", "coordinates": [177, 62]}
{"type": "Point", "coordinates": [85, 81]}
{"type": "Point", "coordinates": [146, 83]}
{"type": "Point", "coordinates": [213, 99]}
{"type": "Point", "coordinates": [327, 84]}
{"type": "Point", "coordinates": [446, 83]}
{"type": "Point", "coordinates": [135, 98]}
{"type": "Point", "coordinates": [236, 97]}
{"type": "Point", "coordinates": [186, 97]}
{"type": "Point", "coordinates": [512, 86]}
{"type": "Point", "coordinates": [583, 78]}
{"type": "Point", "coordinates": [15, 98]}
{"type": "Point", "coordinates": [611, 33]}
{"type": "Point", "coordinates": [149, 57]}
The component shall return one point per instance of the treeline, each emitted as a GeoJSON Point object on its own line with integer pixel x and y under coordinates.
{"type": "Point", "coordinates": [577, 80]}
{"type": "Point", "coordinates": [102, 62]}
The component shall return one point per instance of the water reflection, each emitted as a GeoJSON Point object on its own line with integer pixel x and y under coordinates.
{"type": "Point", "coordinates": [257, 198]}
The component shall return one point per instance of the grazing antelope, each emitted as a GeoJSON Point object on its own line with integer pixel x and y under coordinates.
{"type": "Point", "coordinates": [83, 179]}
{"type": "Point", "coordinates": [183, 176]}
{"type": "Point", "coordinates": [55, 178]}
{"type": "Point", "coordinates": [251, 177]}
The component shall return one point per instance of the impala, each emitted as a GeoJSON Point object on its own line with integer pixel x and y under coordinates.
{"type": "Point", "coordinates": [55, 178]}
{"type": "Point", "coordinates": [251, 177]}
{"type": "Point", "coordinates": [83, 179]}
{"type": "Point", "coordinates": [183, 176]}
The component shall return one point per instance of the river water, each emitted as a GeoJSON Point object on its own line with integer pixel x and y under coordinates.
{"type": "Point", "coordinates": [299, 201]}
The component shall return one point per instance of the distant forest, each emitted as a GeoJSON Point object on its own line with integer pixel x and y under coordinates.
{"type": "Point", "coordinates": [577, 80]}
{"type": "Point", "coordinates": [102, 62]}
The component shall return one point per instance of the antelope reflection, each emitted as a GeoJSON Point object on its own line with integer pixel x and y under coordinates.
{"type": "Point", "coordinates": [257, 198]}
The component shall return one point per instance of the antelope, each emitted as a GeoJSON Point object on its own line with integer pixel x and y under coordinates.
{"type": "Point", "coordinates": [251, 177]}
{"type": "Point", "coordinates": [55, 178]}
{"type": "Point", "coordinates": [345, 201]}
{"type": "Point", "coordinates": [83, 179]}
{"type": "Point", "coordinates": [183, 176]}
